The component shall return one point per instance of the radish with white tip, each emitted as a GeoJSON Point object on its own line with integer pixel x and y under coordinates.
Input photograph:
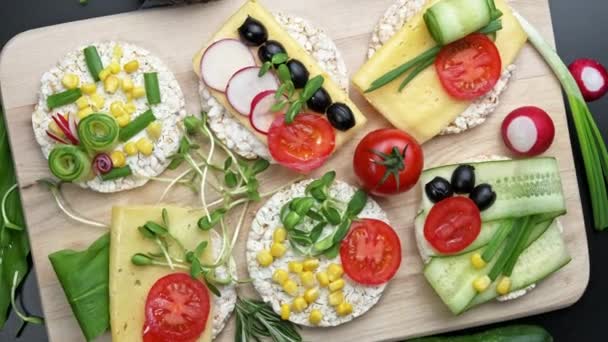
{"type": "Point", "coordinates": [223, 59]}
{"type": "Point", "coordinates": [245, 85]}
{"type": "Point", "coordinates": [528, 131]}
{"type": "Point", "coordinates": [262, 116]}
{"type": "Point", "coordinates": [591, 78]}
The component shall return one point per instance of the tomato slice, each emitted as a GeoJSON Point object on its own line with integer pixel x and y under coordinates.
{"type": "Point", "coordinates": [469, 67]}
{"type": "Point", "coordinates": [303, 145]}
{"type": "Point", "coordinates": [452, 224]}
{"type": "Point", "coordinates": [371, 252]}
{"type": "Point", "coordinates": [177, 309]}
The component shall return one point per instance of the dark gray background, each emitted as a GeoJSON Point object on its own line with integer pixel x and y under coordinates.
{"type": "Point", "coordinates": [581, 30]}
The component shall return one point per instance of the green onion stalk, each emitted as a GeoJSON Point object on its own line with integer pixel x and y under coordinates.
{"type": "Point", "coordinates": [98, 133]}
{"type": "Point", "coordinates": [69, 163]}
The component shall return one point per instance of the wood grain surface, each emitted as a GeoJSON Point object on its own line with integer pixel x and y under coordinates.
{"type": "Point", "coordinates": [409, 306]}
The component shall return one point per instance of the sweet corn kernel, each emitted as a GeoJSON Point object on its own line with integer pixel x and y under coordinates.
{"type": "Point", "coordinates": [103, 74]}
{"type": "Point", "coordinates": [84, 112]}
{"type": "Point", "coordinates": [307, 279]}
{"type": "Point", "coordinates": [280, 276]}
{"type": "Point", "coordinates": [70, 81]}
{"type": "Point", "coordinates": [123, 120]}
{"type": "Point", "coordinates": [155, 130]}
{"type": "Point", "coordinates": [323, 279]}
{"type": "Point", "coordinates": [290, 287]}
{"type": "Point", "coordinates": [89, 88]}
{"type": "Point", "coordinates": [299, 304]}
{"type": "Point", "coordinates": [315, 317]}
{"type": "Point", "coordinates": [131, 66]}
{"type": "Point", "coordinates": [311, 295]}
{"type": "Point", "coordinates": [114, 67]}
{"type": "Point", "coordinates": [285, 311]}
{"type": "Point", "coordinates": [344, 309]}
{"type": "Point", "coordinates": [504, 286]}
{"type": "Point", "coordinates": [127, 84]}
{"type": "Point", "coordinates": [279, 234]}
{"type": "Point", "coordinates": [138, 92]}
{"type": "Point", "coordinates": [130, 148]}
{"type": "Point", "coordinates": [117, 51]}
{"type": "Point", "coordinates": [334, 272]}
{"type": "Point", "coordinates": [145, 147]}
{"type": "Point", "coordinates": [311, 264]}
{"type": "Point", "coordinates": [336, 298]}
{"type": "Point", "coordinates": [264, 257]}
{"type": "Point", "coordinates": [117, 108]}
{"type": "Point", "coordinates": [477, 261]}
{"type": "Point", "coordinates": [98, 101]}
{"type": "Point", "coordinates": [54, 128]}
{"type": "Point", "coordinates": [82, 102]}
{"type": "Point", "coordinates": [481, 284]}
{"type": "Point", "coordinates": [295, 267]}
{"type": "Point", "coordinates": [336, 285]}
{"type": "Point", "coordinates": [118, 159]}
{"type": "Point", "coordinates": [130, 107]}
{"type": "Point", "coordinates": [277, 249]}
{"type": "Point", "coordinates": [110, 84]}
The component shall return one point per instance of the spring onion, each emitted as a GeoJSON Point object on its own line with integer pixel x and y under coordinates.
{"type": "Point", "coordinates": [152, 88]}
{"type": "Point", "coordinates": [98, 132]}
{"type": "Point", "coordinates": [69, 163]}
{"type": "Point", "coordinates": [116, 173]}
{"type": "Point", "coordinates": [497, 240]}
{"type": "Point", "coordinates": [592, 145]}
{"type": "Point", "coordinates": [63, 98]}
{"type": "Point", "coordinates": [137, 125]}
{"type": "Point", "coordinates": [91, 56]}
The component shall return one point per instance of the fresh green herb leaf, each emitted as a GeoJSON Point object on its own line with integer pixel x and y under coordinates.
{"type": "Point", "coordinates": [341, 231]}
{"type": "Point", "coordinates": [201, 248]}
{"type": "Point", "coordinates": [331, 214]}
{"type": "Point", "coordinates": [293, 110]}
{"type": "Point", "coordinates": [257, 321]}
{"type": "Point", "coordinates": [316, 231]}
{"type": "Point", "coordinates": [311, 87]}
{"type": "Point", "coordinates": [208, 222]}
{"type": "Point", "coordinates": [227, 163]}
{"type": "Point", "coordinates": [264, 69]}
{"type": "Point", "coordinates": [212, 287]}
{"type": "Point", "coordinates": [356, 204]}
{"type": "Point", "coordinates": [195, 268]}
{"type": "Point", "coordinates": [278, 106]}
{"type": "Point", "coordinates": [230, 179]}
{"type": "Point", "coordinates": [259, 166]}
{"type": "Point", "coordinates": [283, 73]}
{"type": "Point", "coordinates": [313, 214]}
{"type": "Point", "coordinates": [279, 58]}
{"type": "Point", "coordinates": [140, 259]}
{"type": "Point", "coordinates": [156, 228]}
{"type": "Point", "coordinates": [332, 252]}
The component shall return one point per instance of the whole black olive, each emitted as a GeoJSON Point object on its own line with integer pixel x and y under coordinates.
{"type": "Point", "coordinates": [463, 179]}
{"type": "Point", "coordinates": [319, 101]}
{"type": "Point", "coordinates": [438, 189]}
{"type": "Point", "coordinates": [299, 73]}
{"type": "Point", "coordinates": [340, 116]}
{"type": "Point", "coordinates": [253, 32]}
{"type": "Point", "coordinates": [483, 196]}
{"type": "Point", "coordinates": [269, 49]}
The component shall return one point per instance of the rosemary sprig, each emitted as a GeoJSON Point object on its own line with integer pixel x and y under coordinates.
{"type": "Point", "coordinates": [256, 321]}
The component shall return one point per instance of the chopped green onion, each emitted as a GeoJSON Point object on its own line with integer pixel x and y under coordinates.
{"type": "Point", "coordinates": [137, 125]}
{"type": "Point", "coordinates": [152, 88]}
{"type": "Point", "coordinates": [69, 163]}
{"type": "Point", "coordinates": [98, 132]}
{"type": "Point", "coordinates": [91, 56]}
{"type": "Point", "coordinates": [117, 173]}
{"type": "Point", "coordinates": [63, 98]}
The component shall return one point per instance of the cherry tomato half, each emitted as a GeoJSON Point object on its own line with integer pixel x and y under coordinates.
{"type": "Point", "coordinates": [452, 224]}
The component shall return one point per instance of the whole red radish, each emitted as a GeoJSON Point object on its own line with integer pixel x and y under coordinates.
{"type": "Point", "coordinates": [591, 78]}
{"type": "Point", "coordinates": [528, 131]}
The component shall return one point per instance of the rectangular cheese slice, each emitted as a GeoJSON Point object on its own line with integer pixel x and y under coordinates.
{"type": "Point", "coordinates": [423, 108]}
{"type": "Point", "coordinates": [294, 50]}
{"type": "Point", "coordinates": [129, 284]}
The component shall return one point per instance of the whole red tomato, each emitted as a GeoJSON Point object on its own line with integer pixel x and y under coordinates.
{"type": "Point", "coordinates": [388, 161]}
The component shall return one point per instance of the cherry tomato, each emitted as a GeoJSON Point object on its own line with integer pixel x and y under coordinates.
{"type": "Point", "coordinates": [371, 252]}
{"type": "Point", "coordinates": [469, 67]}
{"type": "Point", "coordinates": [303, 145]}
{"type": "Point", "coordinates": [452, 224]}
{"type": "Point", "coordinates": [388, 161]}
{"type": "Point", "coordinates": [177, 309]}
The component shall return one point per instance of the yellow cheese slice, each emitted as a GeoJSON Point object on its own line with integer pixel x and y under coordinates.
{"type": "Point", "coordinates": [423, 108]}
{"type": "Point", "coordinates": [294, 50]}
{"type": "Point", "coordinates": [129, 284]}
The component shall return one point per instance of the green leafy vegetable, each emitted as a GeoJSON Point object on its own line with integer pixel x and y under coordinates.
{"type": "Point", "coordinates": [257, 321]}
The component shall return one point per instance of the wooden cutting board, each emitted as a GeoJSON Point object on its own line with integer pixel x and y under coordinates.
{"type": "Point", "coordinates": [409, 307]}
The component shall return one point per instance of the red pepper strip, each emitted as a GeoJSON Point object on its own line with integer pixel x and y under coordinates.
{"type": "Point", "coordinates": [56, 138]}
{"type": "Point", "coordinates": [64, 125]}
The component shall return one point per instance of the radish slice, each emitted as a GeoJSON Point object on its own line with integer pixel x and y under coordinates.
{"type": "Point", "coordinates": [245, 84]}
{"type": "Point", "coordinates": [591, 78]}
{"type": "Point", "coordinates": [261, 116]}
{"type": "Point", "coordinates": [528, 131]}
{"type": "Point", "coordinates": [223, 59]}
{"type": "Point", "coordinates": [73, 125]}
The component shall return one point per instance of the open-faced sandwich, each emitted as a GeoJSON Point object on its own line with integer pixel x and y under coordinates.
{"type": "Point", "coordinates": [108, 116]}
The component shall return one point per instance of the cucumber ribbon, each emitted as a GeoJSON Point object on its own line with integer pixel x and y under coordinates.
{"type": "Point", "coordinates": [69, 163]}
{"type": "Point", "coordinates": [98, 132]}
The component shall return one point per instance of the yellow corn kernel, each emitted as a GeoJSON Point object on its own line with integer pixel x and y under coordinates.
{"type": "Point", "coordinates": [130, 107]}
{"type": "Point", "coordinates": [82, 102]}
{"type": "Point", "coordinates": [280, 276]}
{"type": "Point", "coordinates": [123, 120]}
{"type": "Point", "coordinates": [114, 67]}
{"type": "Point", "coordinates": [478, 261]}
{"type": "Point", "coordinates": [344, 309]}
{"type": "Point", "coordinates": [481, 284]}
{"type": "Point", "coordinates": [131, 66]}
{"type": "Point", "coordinates": [336, 285]}
{"type": "Point", "coordinates": [89, 88]}
{"type": "Point", "coordinates": [154, 131]}
{"type": "Point", "coordinates": [264, 257]}
{"type": "Point", "coordinates": [117, 108]}
{"type": "Point", "coordinates": [336, 298]}
{"type": "Point", "coordinates": [315, 317]}
{"type": "Point", "coordinates": [84, 112]}
{"type": "Point", "coordinates": [311, 295]}
{"type": "Point", "coordinates": [323, 279]}
{"type": "Point", "coordinates": [118, 159]}
{"type": "Point", "coordinates": [307, 279]}
{"type": "Point", "coordinates": [295, 267]}
{"type": "Point", "coordinates": [138, 92]}
{"type": "Point", "coordinates": [117, 51]}
{"type": "Point", "coordinates": [334, 272]}
{"type": "Point", "coordinates": [70, 81]}
{"type": "Point", "coordinates": [98, 101]}
{"type": "Point", "coordinates": [279, 234]}
{"type": "Point", "coordinates": [103, 74]}
{"type": "Point", "coordinates": [285, 311]}
{"type": "Point", "coordinates": [311, 264]}
{"type": "Point", "coordinates": [110, 84]}
{"type": "Point", "coordinates": [290, 287]}
{"type": "Point", "coordinates": [299, 304]}
{"type": "Point", "coordinates": [127, 84]}
{"type": "Point", "coordinates": [504, 286]}
{"type": "Point", "coordinates": [54, 128]}
{"type": "Point", "coordinates": [130, 148]}
{"type": "Point", "coordinates": [277, 249]}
